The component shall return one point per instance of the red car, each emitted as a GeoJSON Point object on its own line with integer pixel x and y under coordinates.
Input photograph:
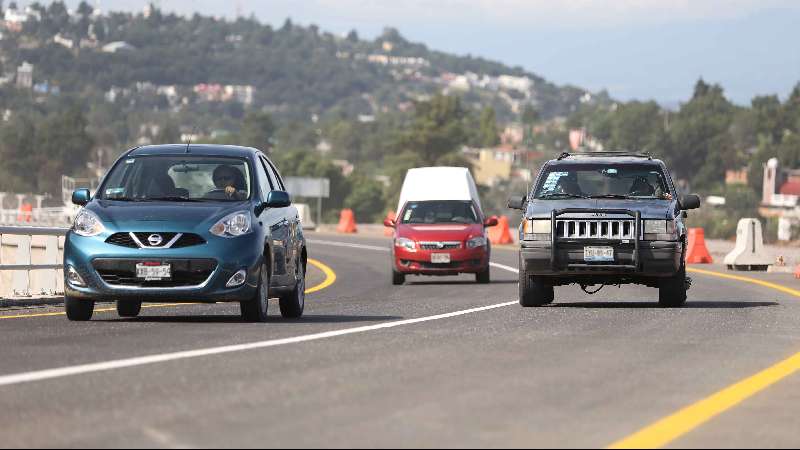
{"type": "Point", "coordinates": [441, 237]}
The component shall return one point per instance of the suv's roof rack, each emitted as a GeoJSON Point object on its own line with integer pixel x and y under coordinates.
{"type": "Point", "coordinates": [647, 155]}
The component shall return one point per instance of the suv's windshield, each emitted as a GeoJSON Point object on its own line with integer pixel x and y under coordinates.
{"type": "Point", "coordinates": [612, 181]}
{"type": "Point", "coordinates": [178, 178]}
{"type": "Point", "coordinates": [445, 211]}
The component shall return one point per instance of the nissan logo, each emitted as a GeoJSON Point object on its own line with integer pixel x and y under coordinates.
{"type": "Point", "coordinates": [440, 245]}
{"type": "Point", "coordinates": [155, 240]}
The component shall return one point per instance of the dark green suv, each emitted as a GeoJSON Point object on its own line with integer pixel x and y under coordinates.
{"type": "Point", "coordinates": [607, 218]}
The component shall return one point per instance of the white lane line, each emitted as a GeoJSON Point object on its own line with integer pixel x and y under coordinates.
{"type": "Point", "coordinates": [350, 245]}
{"type": "Point", "coordinates": [49, 374]}
{"type": "Point", "coordinates": [146, 360]}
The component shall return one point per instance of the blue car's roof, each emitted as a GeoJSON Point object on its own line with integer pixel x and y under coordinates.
{"type": "Point", "coordinates": [195, 149]}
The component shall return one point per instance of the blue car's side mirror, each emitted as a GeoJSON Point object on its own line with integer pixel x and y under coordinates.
{"type": "Point", "coordinates": [278, 199]}
{"type": "Point", "coordinates": [81, 197]}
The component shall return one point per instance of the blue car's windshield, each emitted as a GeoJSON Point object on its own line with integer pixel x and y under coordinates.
{"type": "Point", "coordinates": [178, 178]}
{"type": "Point", "coordinates": [620, 181]}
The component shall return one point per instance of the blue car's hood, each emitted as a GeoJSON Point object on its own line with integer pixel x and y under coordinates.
{"type": "Point", "coordinates": [650, 209]}
{"type": "Point", "coordinates": [162, 216]}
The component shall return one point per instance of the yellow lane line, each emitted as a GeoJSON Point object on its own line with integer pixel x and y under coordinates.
{"type": "Point", "coordinates": [765, 284]}
{"type": "Point", "coordinates": [330, 278]}
{"type": "Point", "coordinates": [668, 429]}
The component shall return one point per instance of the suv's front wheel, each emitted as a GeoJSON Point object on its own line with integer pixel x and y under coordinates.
{"type": "Point", "coordinates": [672, 291]}
{"type": "Point", "coordinates": [533, 291]}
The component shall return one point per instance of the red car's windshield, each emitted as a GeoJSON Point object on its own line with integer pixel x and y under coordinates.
{"type": "Point", "coordinates": [443, 211]}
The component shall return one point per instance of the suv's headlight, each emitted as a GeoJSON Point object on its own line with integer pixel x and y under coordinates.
{"type": "Point", "coordinates": [87, 224]}
{"type": "Point", "coordinates": [405, 243]}
{"type": "Point", "coordinates": [660, 230]}
{"type": "Point", "coordinates": [476, 242]}
{"type": "Point", "coordinates": [538, 229]}
{"type": "Point", "coordinates": [234, 225]}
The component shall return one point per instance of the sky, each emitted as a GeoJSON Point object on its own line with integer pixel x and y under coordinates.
{"type": "Point", "coordinates": [636, 49]}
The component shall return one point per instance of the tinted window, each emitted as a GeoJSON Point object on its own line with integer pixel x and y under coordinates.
{"type": "Point", "coordinates": [431, 212]}
{"type": "Point", "coordinates": [263, 180]}
{"type": "Point", "coordinates": [173, 178]}
{"type": "Point", "coordinates": [603, 180]}
{"type": "Point", "coordinates": [273, 174]}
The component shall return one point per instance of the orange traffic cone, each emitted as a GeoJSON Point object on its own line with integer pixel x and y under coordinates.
{"type": "Point", "coordinates": [697, 252]}
{"type": "Point", "coordinates": [797, 273]}
{"type": "Point", "coordinates": [25, 213]}
{"type": "Point", "coordinates": [347, 222]}
{"type": "Point", "coordinates": [501, 234]}
{"type": "Point", "coordinates": [390, 231]}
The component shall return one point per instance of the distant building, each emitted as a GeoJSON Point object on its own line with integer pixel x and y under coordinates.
{"type": "Point", "coordinates": [513, 135]}
{"type": "Point", "coordinates": [64, 42]}
{"type": "Point", "coordinates": [737, 177]}
{"type": "Point", "coordinates": [25, 76]}
{"type": "Point", "coordinates": [781, 187]}
{"type": "Point", "coordinates": [116, 47]}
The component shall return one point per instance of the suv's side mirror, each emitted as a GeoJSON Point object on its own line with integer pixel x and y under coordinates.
{"type": "Point", "coordinates": [278, 199]}
{"type": "Point", "coordinates": [517, 202]}
{"type": "Point", "coordinates": [690, 201]}
{"type": "Point", "coordinates": [81, 197]}
{"type": "Point", "coordinates": [389, 223]}
{"type": "Point", "coordinates": [491, 222]}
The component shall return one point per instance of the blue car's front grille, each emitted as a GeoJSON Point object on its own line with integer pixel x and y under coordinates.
{"type": "Point", "coordinates": [185, 272]}
{"type": "Point", "coordinates": [122, 239]}
{"type": "Point", "coordinates": [126, 240]}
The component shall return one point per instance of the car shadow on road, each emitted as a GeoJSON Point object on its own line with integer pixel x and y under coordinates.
{"type": "Point", "coordinates": [728, 304]}
{"type": "Point", "coordinates": [238, 319]}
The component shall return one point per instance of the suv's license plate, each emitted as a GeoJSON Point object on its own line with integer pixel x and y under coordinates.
{"type": "Point", "coordinates": [440, 258]}
{"type": "Point", "coordinates": [598, 254]}
{"type": "Point", "coordinates": [153, 272]}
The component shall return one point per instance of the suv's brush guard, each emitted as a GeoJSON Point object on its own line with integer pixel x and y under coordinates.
{"type": "Point", "coordinates": [554, 238]}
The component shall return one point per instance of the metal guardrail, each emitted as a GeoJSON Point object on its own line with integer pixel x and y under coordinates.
{"type": "Point", "coordinates": [51, 284]}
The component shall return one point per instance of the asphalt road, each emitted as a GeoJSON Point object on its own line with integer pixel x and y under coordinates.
{"type": "Point", "coordinates": [434, 363]}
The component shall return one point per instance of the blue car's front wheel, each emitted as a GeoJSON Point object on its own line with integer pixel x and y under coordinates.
{"type": "Point", "coordinates": [78, 310]}
{"type": "Point", "coordinates": [255, 310]}
{"type": "Point", "coordinates": [293, 303]}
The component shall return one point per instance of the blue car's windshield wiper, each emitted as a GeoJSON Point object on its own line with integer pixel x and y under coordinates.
{"type": "Point", "coordinates": [174, 199]}
{"type": "Point", "coordinates": [561, 195]}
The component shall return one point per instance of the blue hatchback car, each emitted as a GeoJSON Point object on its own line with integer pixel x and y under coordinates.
{"type": "Point", "coordinates": [186, 223]}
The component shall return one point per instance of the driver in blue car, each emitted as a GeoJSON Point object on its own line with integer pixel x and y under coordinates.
{"type": "Point", "coordinates": [229, 180]}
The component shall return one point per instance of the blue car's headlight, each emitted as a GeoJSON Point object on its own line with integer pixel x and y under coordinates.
{"type": "Point", "coordinates": [87, 224]}
{"type": "Point", "coordinates": [234, 225]}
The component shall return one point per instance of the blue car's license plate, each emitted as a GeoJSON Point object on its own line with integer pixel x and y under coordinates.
{"type": "Point", "coordinates": [153, 272]}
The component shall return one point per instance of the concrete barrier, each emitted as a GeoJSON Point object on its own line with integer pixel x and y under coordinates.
{"type": "Point", "coordinates": [31, 261]}
{"type": "Point", "coordinates": [749, 254]}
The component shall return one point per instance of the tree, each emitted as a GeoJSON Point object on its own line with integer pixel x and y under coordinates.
{"type": "Point", "coordinates": [257, 131]}
{"type": "Point", "coordinates": [769, 117]}
{"type": "Point", "coordinates": [62, 147]}
{"type": "Point", "coordinates": [638, 127]}
{"type": "Point", "coordinates": [488, 134]}
{"type": "Point", "coordinates": [365, 198]}
{"type": "Point", "coordinates": [437, 128]}
{"type": "Point", "coordinates": [702, 147]}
